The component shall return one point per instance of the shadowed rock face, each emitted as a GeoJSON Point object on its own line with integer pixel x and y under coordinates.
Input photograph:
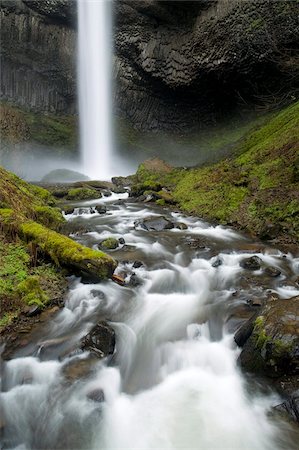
{"type": "Point", "coordinates": [177, 64]}
{"type": "Point", "coordinates": [38, 55]}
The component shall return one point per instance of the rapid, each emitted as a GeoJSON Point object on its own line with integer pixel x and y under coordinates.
{"type": "Point", "coordinates": [173, 380]}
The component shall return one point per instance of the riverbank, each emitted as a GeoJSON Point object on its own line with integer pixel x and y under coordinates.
{"type": "Point", "coordinates": [35, 255]}
{"type": "Point", "coordinates": [256, 190]}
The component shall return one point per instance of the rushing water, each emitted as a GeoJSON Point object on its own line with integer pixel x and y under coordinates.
{"type": "Point", "coordinates": [173, 380]}
{"type": "Point", "coordinates": [94, 20]}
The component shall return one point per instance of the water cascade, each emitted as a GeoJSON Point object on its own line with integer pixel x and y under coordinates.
{"type": "Point", "coordinates": [172, 382]}
{"type": "Point", "coordinates": [94, 87]}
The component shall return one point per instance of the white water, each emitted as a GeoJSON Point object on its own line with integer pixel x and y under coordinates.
{"type": "Point", "coordinates": [173, 383]}
{"type": "Point", "coordinates": [95, 88]}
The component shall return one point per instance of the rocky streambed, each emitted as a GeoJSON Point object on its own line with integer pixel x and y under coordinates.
{"type": "Point", "coordinates": [149, 359]}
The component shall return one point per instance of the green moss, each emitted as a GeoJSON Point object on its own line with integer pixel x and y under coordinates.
{"type": "Point", "coordinates": [6, 216]}
{"type": "Point", "coordinates": [14, 264]}
{"type": "Point", "coordinates": [50, 217]}
{"type": "Point", "coordinates": [110, 244]}
{"type": "Point", "coordinates": [82, 194]}
{"type": "Point", "coordinates": [160, 202]}
{"type": "Point", "coordinates": [31, 291]}
{"type": "Point", "coordinates": [258, 185]}
{"type": "Point", "coordinates": [18, 125]}
{"type": "Point", "coordinates": [20, 196]}
{"type": "Point", "coordinates": [7, 318]}
{"type": "Point", "coordinates": [63, 250]}
{"type": "Point", "coordinates": [259, 333]}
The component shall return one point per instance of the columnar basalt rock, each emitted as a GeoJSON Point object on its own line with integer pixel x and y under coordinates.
{"type": "Point", "coordinates": [38, 55]}
{"type": "Point", "coordinates": [177, 64]}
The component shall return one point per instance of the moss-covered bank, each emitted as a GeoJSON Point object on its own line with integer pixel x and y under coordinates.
{"type": "Point", "coordinates": [256, 190]}
{"type": "Point", "coordinates": [33, 254]}
{"type": "Point", "coordinates": [19, 126]}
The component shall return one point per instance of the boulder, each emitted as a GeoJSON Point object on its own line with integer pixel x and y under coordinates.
{"type": "Point", "coordinates": [68, 209]}
{"type": "Point", "coordinates": [154, 223]}
{"type": "Point", "coordinates": [101, 209]}
{"type": "Point", "coordinates": [137, 264]}
{"type": "Point", "coordinates": [181, 226]}
{"type": "Point", "coordinates": [272, 271]}
{"type": "Point", "coordinates": [290, 407]}
{"type": "Point", "coordinates": [252, 263]}
{"type": "Point", "coordinates": [273, 346]}
{"type": "Point", "coordinates": [96, 395]}
{"type": "Point", "coordinates": [217, 263]}
{"type": "Point", "coordinates": [100, 341]}
{"type": "Point", "coordinates": [109, 244]}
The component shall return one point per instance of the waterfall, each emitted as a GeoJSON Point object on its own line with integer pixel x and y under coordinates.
{"type": "Point", "coordinates": [94, 23]}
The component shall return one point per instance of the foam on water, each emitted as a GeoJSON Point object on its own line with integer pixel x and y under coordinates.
{"type": "Point", "coordinates": [172, 384]}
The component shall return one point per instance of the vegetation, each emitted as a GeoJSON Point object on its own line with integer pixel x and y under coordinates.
{"type": "Point", "coordinates": [18, 125]}
{"type": "Point", "coordinates": [109, 244]}
{"type": "Point", "coordinates": [29, 222]}
{"type": "Point", "coordinates": [22, 282]}
{"type": "Point", "coordinates": [82, 194]}
{"type": "Point", "coordinates": [257, 187]}
{"type": "Point", "coordinates": [63, 250]}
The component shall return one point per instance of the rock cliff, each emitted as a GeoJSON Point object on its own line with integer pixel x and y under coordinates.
{"type": "Point", "coordinates": [38, 55]}
{"type": "Point", "coordinates": [177, 64]}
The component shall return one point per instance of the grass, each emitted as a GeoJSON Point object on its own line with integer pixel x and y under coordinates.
{"type": "Point", "coordinates": [29, 222]}
{"type": "Point", "coordinates": [18, 125]}
{"type": "Point", "coordinates": [260, 184]}
{"type": "Point", "coordinates": [82, 194]}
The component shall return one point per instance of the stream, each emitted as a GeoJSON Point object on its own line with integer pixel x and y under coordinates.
{"type": "Point", "coordinates": [173, 381]}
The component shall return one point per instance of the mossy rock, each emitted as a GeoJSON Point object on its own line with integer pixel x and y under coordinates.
{"type": "Point", "coordinates": [31, 291]}
{"type": "Point", "coordinates": [49, 216]}
{"type": "Point", "coordinates": [258, 185]}
{"type": "Point", "coordinates": [82, 194]}
{"type": "Point", "coordinates": [109, 244]}
{"type": "Point", "coordinates": [67, 253]}
{"type": "Point", "coordinates": [272, 348]}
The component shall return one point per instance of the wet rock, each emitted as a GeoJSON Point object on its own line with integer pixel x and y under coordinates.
{"type": "Point", "coordinates": [154, 223]}
{"type": "Point", "coordinates": [270, 231]}
{"type": "Point", "coordinates": [255, 301]}
{"type": "Point", "coordinates": [217, 263]}
{"type": "Point", "coordinates": [59, 193]}
{"type": "Point", "coordinates": [97, 293]}
{"type": "Point", "coordinates": [100, 341]}
{"type": "Point", "coordinates": [273, 347]}
{"type": "Point", "coordinates": [109, 244]}
{"type": "Point", "coordinates": [150, 198]}
{"type": "Point", "coordinates": [181, 226]}
{"type": "Point", "coordinates": [121, 241]}
{"type": "Point", "coordinates": [121, 201]}
{"type": "Point", "coordinates": [123, 181]}
{"type": "Point", "coordinates": [197, 243]}
{"type": "Point", "coordinates": [101, 209]}
{"type": "Point", "coordinates": [106, 193]}
{"type": "Point", "coordinates": [79, 368]}
{"type": "Point", "coordinates": [137, 264]}
{"type": "Point", "coordinates": [68, 209]}
{"type": "Point", "coordinates": [290, 407]}
{"type": "Point", "coordinates": [272, 271]}
{"type": "Point", "coordinates": [245, 331]}
{"type": "Point", "coordinates": [96, 395]}
{"type": "Point", "coordinates": [134, 280]}
{"type": "Point", "coordinates": [31, 311]}
{"type": "Point", "coordinates": [252, 263]}
{"type": "Point", "coordinates": [119, 280]}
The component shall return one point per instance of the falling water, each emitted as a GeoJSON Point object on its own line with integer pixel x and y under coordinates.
{"type": "Point", "coordinates": [94, 87]}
